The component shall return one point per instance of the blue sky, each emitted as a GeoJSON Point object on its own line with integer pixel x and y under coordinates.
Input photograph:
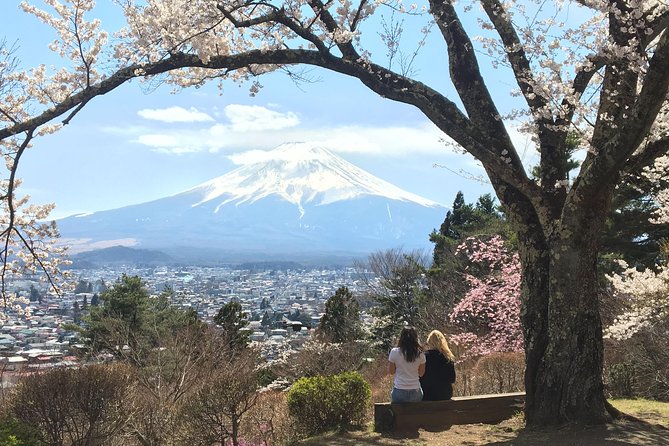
{"type": "Point", "coordinates": [141, 142]}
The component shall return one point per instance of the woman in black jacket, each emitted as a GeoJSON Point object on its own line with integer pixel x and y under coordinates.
{"type": "Point", "coordinates": [437, 382]}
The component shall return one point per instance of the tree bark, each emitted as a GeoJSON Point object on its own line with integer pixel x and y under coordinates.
{"type": "Point", "coordinates": [561, 319]}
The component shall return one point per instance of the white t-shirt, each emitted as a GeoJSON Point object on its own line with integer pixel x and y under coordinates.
{"type": "Point", "coordinates": [406, 373]}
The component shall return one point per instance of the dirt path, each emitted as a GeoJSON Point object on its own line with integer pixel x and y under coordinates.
{"type": "Point", "coordinates": [653, 431]}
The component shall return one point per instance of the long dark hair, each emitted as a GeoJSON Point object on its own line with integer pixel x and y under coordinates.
{"type": "Point", "coordinates": [408, 344]}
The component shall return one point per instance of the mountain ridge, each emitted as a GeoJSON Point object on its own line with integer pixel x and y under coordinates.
{"type": "Point", "coordinates": [301, 198]}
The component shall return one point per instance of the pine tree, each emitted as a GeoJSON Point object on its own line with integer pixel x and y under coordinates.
{"type": "Point", "coordinates": [233, 322]}
{"type": "Point", "coordinates": [341, 321]}
{"type": "Point", "coordinates": [35, 295]}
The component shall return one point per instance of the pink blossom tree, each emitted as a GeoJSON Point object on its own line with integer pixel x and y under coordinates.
{"type": "Point", "coordinates": [489, 313]}
{"type": "Point", "coordinates": [598, 67]}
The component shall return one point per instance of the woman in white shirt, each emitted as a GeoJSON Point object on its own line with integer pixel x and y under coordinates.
{"type": "Point", "coordinates": [407, 363]}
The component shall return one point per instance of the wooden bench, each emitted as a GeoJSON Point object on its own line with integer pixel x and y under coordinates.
{"type": "Point", "coordinates": [488, 409]}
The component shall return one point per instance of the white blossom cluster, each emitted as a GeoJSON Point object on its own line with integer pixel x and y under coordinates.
{"type": "Point", "coordinates": [647, 295]}
{"type": "Point", "coordinates": [646, 291]}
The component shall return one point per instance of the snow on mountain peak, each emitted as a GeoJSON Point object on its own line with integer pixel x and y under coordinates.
{"type": "Point", "coordinates": [300, 173]}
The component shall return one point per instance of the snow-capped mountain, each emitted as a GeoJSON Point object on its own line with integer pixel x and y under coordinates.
{"type": "Point", "coordinates": [299, 199]}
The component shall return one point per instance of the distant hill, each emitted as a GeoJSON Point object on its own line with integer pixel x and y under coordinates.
{"type": "Point", "coordinates": [119, 255]}
{"type": "Point", "coordinates": [302, 202]}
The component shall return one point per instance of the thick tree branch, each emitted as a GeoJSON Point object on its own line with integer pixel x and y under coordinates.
{"type": "Point", "coordinates": [496, 145]}
{"type": "Point", "coordinates": [470, 85]}
{"type": "Point", "coordinates": [347, 49]}
{"type": "Point", "coordinates": [622, 137]}
{"type": "Point", "coordinates": [551, 136]}
{"type": "Point", "coordinates": [647, 155]}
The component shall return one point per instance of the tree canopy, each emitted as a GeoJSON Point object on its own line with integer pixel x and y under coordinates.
{"type": "Point", "coordinates": [341, 320]}
{"type": "Point", "coordinates": [128, 321]}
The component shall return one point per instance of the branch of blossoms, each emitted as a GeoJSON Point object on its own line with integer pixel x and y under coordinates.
{"type": "Point", "coordinates": [275, 15]}
{"type": "Point", "coordinates": [515, 53]}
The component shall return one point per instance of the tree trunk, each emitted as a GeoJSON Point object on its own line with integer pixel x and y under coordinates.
{"type": "Point", "coordinates": [561, 319]}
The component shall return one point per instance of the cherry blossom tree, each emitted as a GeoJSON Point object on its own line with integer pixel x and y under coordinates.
{"type": "Point", "coordinates": [645, 291]}
{"type": "Point", "coordinates": [597, 67]}
{"type": "Point", "coordinates": [489, 313]}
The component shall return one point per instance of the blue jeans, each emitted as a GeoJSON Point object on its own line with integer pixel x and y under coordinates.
{"type": "Point", "coordinates": [406, 395]}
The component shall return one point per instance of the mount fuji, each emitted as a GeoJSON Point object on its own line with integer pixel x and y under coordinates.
{"type": "Point", "coordinates": [301, 201]}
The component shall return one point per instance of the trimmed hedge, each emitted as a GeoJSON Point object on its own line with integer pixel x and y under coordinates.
{"type": "Point", "coordinates": [323, 403]}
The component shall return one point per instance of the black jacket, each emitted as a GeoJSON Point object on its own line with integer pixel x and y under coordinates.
{"type": "Point", "coordinates": [437, 382]}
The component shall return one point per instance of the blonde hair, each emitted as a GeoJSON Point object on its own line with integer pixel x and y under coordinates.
{"type": "Point", "coordinates": [437, 341]}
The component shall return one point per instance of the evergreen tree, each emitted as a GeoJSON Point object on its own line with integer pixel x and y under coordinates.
{"type": "Point", "coordinates": [82, 286]}
{"type": "Point", "coordinates": [76, 312]}
{"type": "Point", "coordinates": [95, 300]}
{"type": "Point", "coordinates": [628, 232]}
{"type": "Point", "coordinates": [35, 295]}
{"type": "Point", "coordinates": [129, 316]}
{"type": "Point", "coordinates": [266, 320]}
{"type": "Point", "coordinates": [341, 321]}
{"type": "Point", "coordinates": [466, 220]}
{"type": "Point", "coordinates": [100, 286]}
{"type": "Point", "coordinates": [264, 303]}
{"type": "Point", "coordinates": [233, 322]}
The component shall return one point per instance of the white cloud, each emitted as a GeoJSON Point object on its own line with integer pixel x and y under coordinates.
{"type": "Point", "coordinates": [175, 114]}
{"type": "Point", "coordinates": [157, 140]}
{"type": "Point", "coordinates": [397, 141]}
{"type": "Point", "coordinates": [176, 150]}
{"type": "Point", "coordinates": [250, 118]}
{"type": "Point", "coordinates": [250, 157]}
{"type": "Point", "coordinates": [254, 129]}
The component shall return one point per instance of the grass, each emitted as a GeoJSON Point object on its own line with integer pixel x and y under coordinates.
{"type": "Point", "coordinates": [647, 409]}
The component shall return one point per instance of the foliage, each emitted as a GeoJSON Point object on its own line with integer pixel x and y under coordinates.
{"type": "Point", "coordinates": [498, 373]}
{"type": "Point", "coordinates": [489, 313]}
{"type": "Point", "coordinates": [468, 220]}
{"type": "Point", "coordinates": [638, 355]}
{"type": "Point", "coordinates": [646, 295]}
{"type": "Point", "coordinates": [74, 406]}
{"type": "Point", "coordinates": [232, 321]}
{"type": "Point", "coordinates": [447, 281]}
{"type": "Point", "coordinates": [632, 232]}
{"type": "Point", "coordinates": [645, 291]}
{"type": "Point", "coordinates": [130, 321]}
{"type": "Point", "coordinates": [341, 320]}
{"type": "Point", "coordinates": [397, 284]}
{"type": "Point", "coordinates": [16, 433]}
{"type": "Point", "coordinates": [322, 403]}
{"type": "Point", "coordinates": [493, 373]}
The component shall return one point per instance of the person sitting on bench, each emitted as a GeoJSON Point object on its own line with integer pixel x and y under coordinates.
{"type": "Point", "coordinates": [407, 362]}
{"type": "Point", "coordinates": [437, 382]}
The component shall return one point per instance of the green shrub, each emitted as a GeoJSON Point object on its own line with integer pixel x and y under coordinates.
{"type": "Point", "coordinates": [322, 403]}
{"type": "Point", "coordinates": [16, 433]}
